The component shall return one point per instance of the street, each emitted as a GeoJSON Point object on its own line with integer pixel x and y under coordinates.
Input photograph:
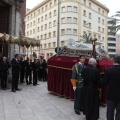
{"type": "Point", "coordinates": [36, 103]}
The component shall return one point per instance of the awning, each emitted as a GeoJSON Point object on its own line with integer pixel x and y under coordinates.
{"type": "Point", "coordinates": [22, 40]}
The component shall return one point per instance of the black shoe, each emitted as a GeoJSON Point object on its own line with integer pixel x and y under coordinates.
{"type": "Point", "coordinates": [4, 88]}
{"type": "Point", "coordinates": [13, 90]}
{"type": "Point", "coordinates": [77, 112]}
{"type": "Point", "coordinates": [30, 83]}
{"type": "Point", "coordinates": [18, 89]}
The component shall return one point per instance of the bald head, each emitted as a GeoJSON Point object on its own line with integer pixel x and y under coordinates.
{"type": "Point", "coordinates": [4, 59]}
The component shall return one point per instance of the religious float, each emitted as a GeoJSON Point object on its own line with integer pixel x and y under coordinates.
{"type": "Point", "coordinates": [60, 66]}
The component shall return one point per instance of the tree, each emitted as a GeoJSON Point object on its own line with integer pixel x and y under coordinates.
{"type": "Point", "coordinates": [86, 38]}
{"type": "Point", "coordinates": [115, 22]}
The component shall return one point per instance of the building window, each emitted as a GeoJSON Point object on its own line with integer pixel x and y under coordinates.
{"type": "Point", "coordinates": [31, 24]}
{"type": "Point", "coordinates": [69, 19]}
{"type": "Point", "coordinates": [103, 12]}
{"type": "Point", "coordinates": [39, 11]}
{"type": "Point", "coordinates": [27, 25]}
{"type": "Point", "coordinates": [54, 44]}
{"type": "Point", "coordinates": [33, 31]}
{"type": "Point", "coordinates": [74, 31]}
{"type": "Point", "coordinates": [49, 45]}
{"type": "Point", "coordinates": [84, 2]}
{"type": "Point", "coordinates": [41, 28]}
{"type": "Point", "coordinates": [45, 26]}
{"type": "Point", "coordinates": [69, 31]}
{"type": "Point", "coordinates": [55, 13]}
{"type": "Point", "coordinates": [37, 37]}
{"type": "Point", "coordinates": [46, 7]}
{"type": "Point", "coordinates": [89, 4]}
{"type": "Point", "coordinates": [74, 9]}
{"type": "Point", "coordinates": [99, 10]}
{"type": "Point", "coordinates": [63, 9]}
{"type": "Point", "coordinates": [103, 22]}
{"type": "Point", "coordinates": [46, 17]}
{"type": "Point", "coordinates": [42, 9]}
{"type": "Point", "coordinates": [50, 25]}
{"type": "Point", "coordinates": [28, 17]}
{"type": "Point", "coordinates": [89, 25]}
{"type": "Point", "coordinates": [54, 23]}
{"type": "Point", "coordinates": [84, 23]}
{"type": "Point", "coordinates": [63, 32]}
{"type": "Point", "coordinates": [62, 20]}
{"type": "Point", "coordinates": [38, 29]}
{"type": "Point", "coordinates": [98, 29]}
{"type": "Point", "coordinates": [89, 15]}
{"type": "Point", "coordinates": [74, 20]}
{"type": "Point", "coordinates": [50, 4]}
{"type": "Point", "coordinates": [34, 14]}
{"type": "Point", "coordinates": [45, 36]}
{"type": "Point", "coordinates": [41, 19]}
{"type": "Point", "coordinates": [99, 37]}
{"type": "Point", "coordinates": [55, 1]}
{"type": "Point", "coordinates": [49, 35]}
{"type": "Point", "coordinates": [44, 45]}
{"type": "Point", "coordinates": [84, 12]}
{"type": "Point", "coordinates": [103, 30]}
{"type": "Point", "coordinates": [99, 19]}
{"type": "Point", "coordinates": [69, 8]}
{"type": "Point", "coordinates": [38, 20]}
{"type": "Point", "coordinates": [41, 36]}
{"type": "Point", "coordinates": [31, 15]}
{"type": "Point", "coordinates": [50, 15]}
{"type": "Point", "coordinates": [102, 38]}
{"type": "Point", "coordinates": [30, 32]}
{"type": "Point", "coordinates": [62, 43]}
{"type": "Point", "coordinates": [54, 33]}
{"type": "Point", "coordinates": [94, 35]}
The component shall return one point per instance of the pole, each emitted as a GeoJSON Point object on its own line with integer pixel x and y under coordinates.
{"type": "Point", "coordinates": [58, 27]}
{"type": "Point", "coordinates": [3, 46]}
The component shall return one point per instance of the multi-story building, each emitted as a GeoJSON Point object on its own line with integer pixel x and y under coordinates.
{"type": "Point", "coordinates": [111, 39]}
{"type": "Point", "coordinates": [118, 44]}
{"type": "Point", "coordinates": [10, 23]}
{"type": "Point", "coordinates": [76, 17]}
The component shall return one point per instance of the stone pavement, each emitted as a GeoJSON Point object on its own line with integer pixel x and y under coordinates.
{"type": "Point", "coordinates": [36, 103]}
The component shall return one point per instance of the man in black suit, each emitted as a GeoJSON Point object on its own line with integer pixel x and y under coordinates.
{"type": "Point", "coordinates": [4, 72]}
{"type": "Point", "coordinates": [112, 78]}
{"type": "Point", "coordinates": [22, 70]}
{"type": "Point", "coordinates": [35, 67]}
{"type": "Point", "coordinates": [15, 72]}
{"type": "Point", "coordinates": [28, 68]}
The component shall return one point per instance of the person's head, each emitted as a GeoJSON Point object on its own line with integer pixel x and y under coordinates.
{"type": "Point", "coordinates": [117, 59]}
{"type": "Point", "coordinates": [35, 59]}
{"type": "Point", "coordinates": [92, 61]}
{"type": "Point", "coordinates": [28, 59]}
{"type": "Point", "coordinates": [4, 59]}
{"type": "Point", "coordinates": [82, 58]}
{"type": "Point", "coordinates": [21, 59]}
{"type": "Point", "coordinates": [17, 56]}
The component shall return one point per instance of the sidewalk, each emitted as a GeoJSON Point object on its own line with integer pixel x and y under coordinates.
{"type": "Point", "coordinates": [36, 103]}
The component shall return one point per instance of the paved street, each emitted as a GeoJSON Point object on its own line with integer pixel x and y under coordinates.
{"type": "Point", "coordinates": [36, 103]}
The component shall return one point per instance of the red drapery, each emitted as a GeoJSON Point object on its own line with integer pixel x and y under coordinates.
{"type": "Point", "coordinates": [60, 71]}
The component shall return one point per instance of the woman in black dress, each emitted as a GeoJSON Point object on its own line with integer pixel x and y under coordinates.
{"type": "Point", "coordinates": [91, 77]}
{"type": "Point", "coordinates": [44, 66]}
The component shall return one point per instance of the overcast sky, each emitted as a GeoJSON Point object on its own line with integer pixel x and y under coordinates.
{"type": "Point", "coordinates": [113, 5]}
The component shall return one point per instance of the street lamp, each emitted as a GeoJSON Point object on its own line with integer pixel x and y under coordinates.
{"type": "Point", "coordinates": [58, 27]}
{"type": "Point", "coordinates": [93, 44]}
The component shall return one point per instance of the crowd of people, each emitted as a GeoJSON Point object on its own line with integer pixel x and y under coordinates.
{"type": "Point", "coordinates": [85, 81]}
{"type": "Point", "coordinates": [23, 71]}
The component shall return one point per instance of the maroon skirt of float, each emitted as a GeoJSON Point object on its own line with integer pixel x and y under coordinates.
{"type": "Point", "coordinates": [60, 71]}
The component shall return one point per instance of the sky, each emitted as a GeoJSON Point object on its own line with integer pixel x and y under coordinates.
{"type": "Point", "coordinates": [113, 5]}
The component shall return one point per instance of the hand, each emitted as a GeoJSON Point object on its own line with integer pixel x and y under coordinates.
{"type": "Point", "coordinates": [74, 88]}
